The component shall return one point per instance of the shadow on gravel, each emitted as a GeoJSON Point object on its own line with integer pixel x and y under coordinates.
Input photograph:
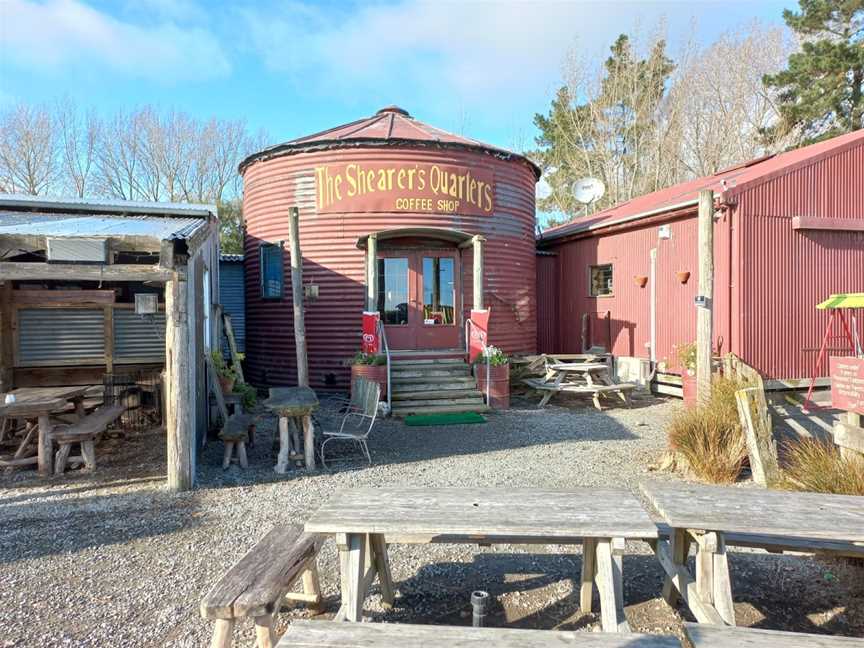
{"type": "Point", "coordinates": [51, 528]}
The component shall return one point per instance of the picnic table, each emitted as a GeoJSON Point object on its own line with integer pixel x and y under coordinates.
{"type": "Point", "coordinates": [329, 634]}
{"type": "Point", "coordinates": [365, 520]}
{"type": "Point", "coordinates": [703, 635]}
{"type": "Point", "coordinates": [580, 376]}
{"type": "Point", "coordinates": [40, 403]}
{"type": "Point", "coordinates": [296, 404]}
{"type": "Point", "coordinates": [708, 516]}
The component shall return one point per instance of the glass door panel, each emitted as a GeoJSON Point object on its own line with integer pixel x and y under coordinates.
{"type": "Point", "coordinates": [393, 295]}
{"type": "Point", "coordinates": [439, 291]}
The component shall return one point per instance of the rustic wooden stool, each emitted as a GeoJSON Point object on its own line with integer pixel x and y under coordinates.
{"type": "Point", "coordinates": [84, 432]}
{"type": "Point", "coordinates": [234, 435]}
{"type": "Point", "coordinates": [257, 584]}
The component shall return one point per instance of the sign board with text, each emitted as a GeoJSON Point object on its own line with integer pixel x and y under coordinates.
{"type": "Point", "coordinates": [404, 187]}
{"type": "Point", "coordinates": [847, 384]}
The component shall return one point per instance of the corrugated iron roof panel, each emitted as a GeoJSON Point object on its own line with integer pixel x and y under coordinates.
{"type": "Point", "coordinates": [732, 181]}
{"type": "Point", "coordinates": [101, 206]}
{"type": "Point", "coordinates": [162, 228]}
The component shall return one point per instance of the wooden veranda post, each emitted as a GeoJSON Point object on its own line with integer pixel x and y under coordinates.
{"type": "Point", "coordinates": [6, 350]}
{"type": "Point", "coordinates": [705, 310]}
{"type": "Point", "coordinates": [179, 379]}
{"type": "Point", "coordinates": [478, 273]}
{"type": "Point", "coordinates": [371, 273]}
{"type": "Point", "coordinates": [297, 297]}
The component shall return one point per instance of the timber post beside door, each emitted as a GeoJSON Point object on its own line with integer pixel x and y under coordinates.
{"type": "Point", "coordinates": [179, 378]}
{"type": "Point", "coordinates": [372, 273]}
{"type": "Point", "coordinates": [478, 243]}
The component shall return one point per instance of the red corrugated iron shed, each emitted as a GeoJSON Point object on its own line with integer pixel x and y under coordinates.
{"type": "Point", "coordinates": [789, 230]}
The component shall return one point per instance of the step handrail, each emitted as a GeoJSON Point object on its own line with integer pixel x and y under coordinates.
{"type": "Point", "coordinates": [382, 334]}
{"type": "Point", "coordinates": [469, 323]}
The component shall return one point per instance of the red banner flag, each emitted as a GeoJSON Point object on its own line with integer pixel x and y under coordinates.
{"type": "Point", "coordinates": [370, 333]}
{"type": "Point", "coordinates": [479, 333]}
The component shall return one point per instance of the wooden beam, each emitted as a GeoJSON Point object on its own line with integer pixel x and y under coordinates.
{"type": "Point", "coordinates": [849, 435]}
{"type": "Point", "coordinates": [7, 345]}
{"type": "Point", "coordinates": [297, 297]}
{"type": "Point", "coordinates": [79, 272]}
{"type": "Point", "coordinates": [704, 312]}
{"type": "Point", "coordinates": [830, 224]}
{"type": "Point", "coordinates": [478, 272]}
{"type": "Point", "coordinates": [108, 320]}
{"type": "Point", "coordinates": [179, 370]}
{"type": "Point", "coordinates": [372, 273]}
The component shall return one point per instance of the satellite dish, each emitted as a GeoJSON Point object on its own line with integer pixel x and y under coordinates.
{"type": "Point", "coordinates": [588, 190]}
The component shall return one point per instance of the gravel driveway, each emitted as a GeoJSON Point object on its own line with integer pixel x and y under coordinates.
{"type": "Point", "coordinates": [114, 560]}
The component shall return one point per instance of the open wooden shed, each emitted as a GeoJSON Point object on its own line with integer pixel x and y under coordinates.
{"type": "Point", "coordinates": [89, 289]}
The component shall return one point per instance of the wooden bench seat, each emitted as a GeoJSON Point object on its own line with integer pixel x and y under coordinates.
{"type": "Point", "coordinates": [256, 585]}
{"type": "Point", "coordinates": [329, 634]}
{"type": "Point", "coordinates": [84, 432]}
{"type": "Point", "coordinates": [706, 635]}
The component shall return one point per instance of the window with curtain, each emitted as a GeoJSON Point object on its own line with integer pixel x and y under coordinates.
{"type": "Point", "coordinates": [272, 271]}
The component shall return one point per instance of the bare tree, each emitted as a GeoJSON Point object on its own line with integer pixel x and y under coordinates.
{"type": "Point", "coordinates": [29, 150]}
{"type": "Point", "coordinates": [80, 136]}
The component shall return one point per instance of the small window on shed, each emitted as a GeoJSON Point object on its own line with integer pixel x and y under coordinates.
{"type": "Point", "coordinates": [600, 280]}
{"type": "Point", "coordinates": [272, 273]}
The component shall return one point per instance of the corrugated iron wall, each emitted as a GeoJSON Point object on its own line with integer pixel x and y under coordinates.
{"type": "Point", "coordinates": [786, 272]}
{"type": "Point", "coordinates": [138, 337]}
{"type": "Point", "coordinates": [332, 261]}
{"type": "Point", "coordinates": [627, 313]}
{"type": "Point", "coordinates": [547, 303]}
{"type": "Point", "coordinates": [49, 336]}
{"type": "Point", "coordinates": [232, 295]}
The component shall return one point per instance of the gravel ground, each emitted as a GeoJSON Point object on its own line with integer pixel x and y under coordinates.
{"type": "Point", "coordinates": [112, 559]}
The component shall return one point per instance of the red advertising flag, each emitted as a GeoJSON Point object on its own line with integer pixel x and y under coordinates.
{"type": "Point", "coordinates": [847, 384]}
{"type": "Point", "coordinates": [370, 333]}
{"type": "Point", "coordinates": [479, 333]}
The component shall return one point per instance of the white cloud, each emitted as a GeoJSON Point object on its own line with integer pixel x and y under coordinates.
{"type": "Point", "coordinates": [57, 35]}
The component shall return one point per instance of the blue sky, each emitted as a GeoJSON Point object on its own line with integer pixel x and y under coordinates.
{"type": "Point", "coordinates": [293, 68]}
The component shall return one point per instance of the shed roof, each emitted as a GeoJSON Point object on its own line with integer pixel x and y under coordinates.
{"type": "Point", "coordinates": [100, 206]}
{"type": "Point", "coordinates": [727, 182]}
{"type": "Point", "coordinates": [390, 126]}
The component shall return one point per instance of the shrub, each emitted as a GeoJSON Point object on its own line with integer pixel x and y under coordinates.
{"type": "Point", "coordinates": [497, 357]}
{"type": "Point", "coordinates": [818, 466]}
{"type": "Point", "coordinates": [687, 356]}
{"type": "Point", "coordinates": [710, 437]}
{"type": "Point", "coordinates": [248, 395]}
{"type": "Point", "coordinates": [361, 358]}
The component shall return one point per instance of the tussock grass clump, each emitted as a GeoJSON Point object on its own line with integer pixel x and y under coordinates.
{"type": "Point", "coordinates": [818, 466]}
{"type": "Point", "coordinates": [709, 437]}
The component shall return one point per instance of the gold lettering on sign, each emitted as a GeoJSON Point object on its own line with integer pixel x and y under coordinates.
{"type": "Point", "coordinates": [433, 188]}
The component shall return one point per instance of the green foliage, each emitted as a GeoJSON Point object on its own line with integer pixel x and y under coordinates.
{"type": "Point", "coordinates": [818, 466]}
{"type": "Point", "coordinates": [223, 369]}
{"type": "Point", "coordinates": [605, 133]}
{"type": "Point", "coordinates": [497, 357]}
{"type": "Point", "coordinates": [248, 395]}
{"type": "Point", "coordinates": [687, 356]}
{"type": "Point", "coordinates": [710, 437]}
{"type": "Point", "coordinates": [821, 91]}
{"type": "Point", "coordinates": [368, 359]}
{"type": "Point", "coordinates": [231, 226]}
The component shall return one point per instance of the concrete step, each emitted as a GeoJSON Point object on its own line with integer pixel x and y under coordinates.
{"type": "Point", "coordinates": [433, 363]}
{"type": "Point", "coordinates": [432, 382]}
{"type": "Point", "coordinates": [436, 409]}
{"type": "Point", "coordinates": [436, 394]}
{"type": "Point", "coordinates": [471, 401]}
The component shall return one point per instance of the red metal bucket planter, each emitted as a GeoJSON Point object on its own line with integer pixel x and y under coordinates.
{"type": "Point", "coordinates": [499, 384]}
{"type": "Point", "coordinates": [375, 373]}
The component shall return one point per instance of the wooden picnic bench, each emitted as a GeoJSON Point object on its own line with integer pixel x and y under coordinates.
{"type": "Point", "coordinates": [703, 635]}
{"type": "Point", "coordinates": [365, 520]}
{"type": "Point", "coordinates": [257, 584]}
{"type": "Point", "coordinates": [712, 517]}
{"type": "Point", "coordinates": [581, 376]}
{"type": "Point", "coordinates": [84, 432]}
{"type": "Point", "coordinates": [329, 634]}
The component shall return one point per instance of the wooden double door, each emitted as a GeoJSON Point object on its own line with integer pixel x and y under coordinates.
{"type": "Point", "coordinates": [420, 297]}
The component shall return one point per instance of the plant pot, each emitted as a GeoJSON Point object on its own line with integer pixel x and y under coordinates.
{"type": "Point", "coordinates": [688, 386]}
{"type": "Point", "coordinates": [683, 276]}
{"type": "Point", "coordinates": [640, 280]}
{"type": "Point", "coordinates": [375, 373]}
{"type": "Point", "coordinates": [227, 384]}
{"type": "Point", "coordinates": [499, 384]}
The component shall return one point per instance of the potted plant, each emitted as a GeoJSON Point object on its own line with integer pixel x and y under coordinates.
{"type": "Point", "coordinates": [499, 376]}
{"type": "Point", "coordinates": [640, 280]}
{"type": "Point", "coordinates": [372, 367]}
{"type": "Point", "coordinates": [687, 362]}
{"type": "Point", "coordinates": [683, 276]}
{"type": "Point", "coordinates": [226, 373]}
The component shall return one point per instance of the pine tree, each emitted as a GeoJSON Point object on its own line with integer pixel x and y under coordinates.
{"type": "Point", "coordinates": [820, 91]}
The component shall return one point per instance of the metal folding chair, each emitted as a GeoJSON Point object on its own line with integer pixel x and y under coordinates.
{"type": "Point", "coordinates": [358, 421]}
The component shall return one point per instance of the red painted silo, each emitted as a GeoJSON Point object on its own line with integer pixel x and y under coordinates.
{"type": "Point", "coordinates": [424, 193]}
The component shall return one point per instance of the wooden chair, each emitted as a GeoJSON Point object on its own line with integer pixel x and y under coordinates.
{"type": "Point", "coordinates": [257, 584]}
{"type": "Point", "coordinates": [358, 421]}
{"type": "Point", "coordinates": [85, 433]}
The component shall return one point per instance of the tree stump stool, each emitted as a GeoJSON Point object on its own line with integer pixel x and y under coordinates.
{"type": "Point", "coordinates": [234, 435]}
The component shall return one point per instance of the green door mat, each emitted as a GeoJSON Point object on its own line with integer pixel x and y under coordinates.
{"type": "Point", "coordinates": [446, 418]}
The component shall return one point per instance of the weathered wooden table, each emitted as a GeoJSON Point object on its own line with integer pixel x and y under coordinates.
{"type": "Point", "coordinates": [328, 634]}
{"type": "Point", "coordinates": [296, 404]}
{"type": "Point", "coordinates": [598, 519]}
{"type": "Point", "coordinates": [581, 378]}
{"type": "Point", "coordinates": [40, 403]}
{"type": "Point", "coordinates": [703, 635]}
{"type": "Point", "coordinates": [704, 515]}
